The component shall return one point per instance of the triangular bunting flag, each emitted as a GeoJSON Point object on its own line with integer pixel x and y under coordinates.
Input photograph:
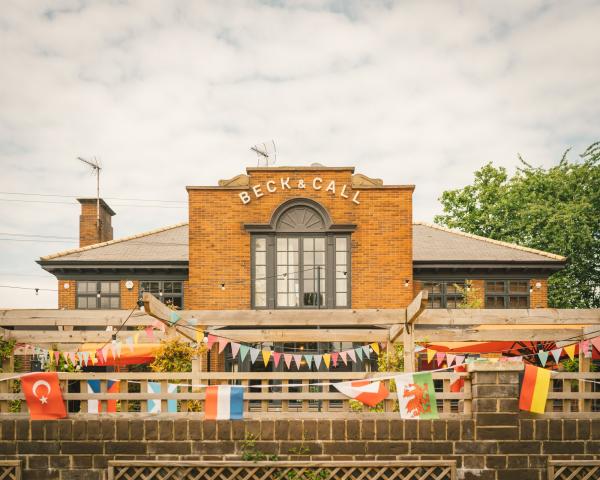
{"type": "Point", "coordinates": [118, 346]}
{"type": "Point", "coordinates": [359, 352]}
{"type": "Point", "coordinates": [543, 356]}
{"type": "Point", "coordinates": [570, 351]}
{"type": "Point", "coordinates": [343, 357]}
{"type": "Point", "coordinates": [159, 325]}
{"type": "Point", "coordinates": [276, 358]}
{"type": "Point", "coordinates": [308, 359]}
{"type": "Point", "coordinates": [584, 346]}
{"type": "Point", "coordinates": [327, 359]}
{"type": "Point", "coordinates": [211, 340]}
{"type": "Point", "coordinates": [223, 342]}
{"type": "Point", "coordinates": [596, 343]}
{"type": "Point", "coordinates": [556, 354]}
{"type": "Point", "coordinates": [430, 355]}
{"type": "Point", "coordinates": [334, 358]}
{"type": "Point", "coordinates": [367, 351]}
{"type": "Point", "coordinates": [287, 358]}
{"type": "Point", "coordinates": [86, 358]}
{"type": "Point", "coordinates": [244, 349]}
{"type": "Point", "coordinates": [266, 355]}
{"type": "Point", "coordinates": [459, 359]}
{"type": "Point", "coordinates": [254, 353]}
{"type": "Point", "coordinates": [136, 338]}
{"type": "Point", "coordinates": [375, 347]}
{"type": "Point", "coordinates": [318, 359]}
{"type": "Point", "coordinates": [352, 355]}
{"type": "Point", "coordinates": [199, 337]}
{"type": "Point", "coordinates": [192, 321]}
{"type": "Point", "coordinates": [57, 357]}
{"type": "Point", "coordinates": [439, 358]}
{"type": "Point", "coordinates": [235, 348]}
{"type": "Point", "coordinates": [99, 356]}
{"type": "Point", "coordinates": [174, 318]}
{"type": "Point", "coordinates": [298, 360]}
{"type": "Point", "coordinates": [129, 341]}
{"type": "Point", "coordinates": [450, 359]}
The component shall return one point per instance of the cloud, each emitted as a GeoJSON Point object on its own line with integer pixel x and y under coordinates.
{"type": "Point", "coordinates": [174, 93]}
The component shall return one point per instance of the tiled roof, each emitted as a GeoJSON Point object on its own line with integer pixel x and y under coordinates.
{"type": "Point", "coordinates": [163, 244]}
{"type": "Point", "coordinates": [431, 243]}
{"type": "Point", "coordinates": [434, 243]}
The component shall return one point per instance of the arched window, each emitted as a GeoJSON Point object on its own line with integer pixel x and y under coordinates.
{"type": "Point", "coordinates": [300, 259]}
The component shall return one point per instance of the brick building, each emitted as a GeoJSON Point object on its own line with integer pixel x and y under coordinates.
{"type": "Point", "coordinates": [296, 238]}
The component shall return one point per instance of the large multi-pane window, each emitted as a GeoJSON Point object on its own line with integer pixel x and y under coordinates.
{"type": "Point", "coordinates": [444, 293]}
{"type": "Point", "coordinates": [507, 294]}
{"type": "Point", "coordinates": [169, 292]}
{"type": "Point", "coordinates": [98, 295]}
{"type": "Point", "coordinates": [297, 269]}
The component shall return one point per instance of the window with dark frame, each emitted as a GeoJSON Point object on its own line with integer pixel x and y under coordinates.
{"type": "Point", "coordinates": [95, 295]}
{"type": "Point", "coordinates": [507, 294]}
{"type": "Point", "coordinates": [167, 291]}
{"type": "Point", "coordinates": [444, 293]}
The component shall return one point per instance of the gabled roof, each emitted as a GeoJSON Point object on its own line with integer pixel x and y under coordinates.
{"type": "Point", "coordinates": [163, 244]}
{"type": "Point", "coordinates": [431, 243]}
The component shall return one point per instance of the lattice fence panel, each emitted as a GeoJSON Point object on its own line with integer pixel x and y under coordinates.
{"type": "Point", "coordinates": [10, 470]}
{"type": "Point", "coordinates": [574, 472]}
{"type": "Point", "coordinates": [272, 472]}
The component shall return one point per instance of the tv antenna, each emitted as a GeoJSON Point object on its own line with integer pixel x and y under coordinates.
{"type": "Point", "coordinates": [95, 165]}
{"type": "Point", "coordinates": [266, 152]}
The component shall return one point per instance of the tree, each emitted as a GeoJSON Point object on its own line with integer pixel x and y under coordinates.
{"type": "Point", "coordinates": [556, 210]}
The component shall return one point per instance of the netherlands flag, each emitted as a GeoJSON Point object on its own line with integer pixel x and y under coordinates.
{"type": "Point", "coordinates": [224, 402]}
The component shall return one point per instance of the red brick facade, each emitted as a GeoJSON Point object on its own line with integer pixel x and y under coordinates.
{"type": "Point", "coordinates": [219, 250]}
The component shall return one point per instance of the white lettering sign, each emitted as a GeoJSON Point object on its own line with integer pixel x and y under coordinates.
{"type": "Point", "coordinates": [317, 183]}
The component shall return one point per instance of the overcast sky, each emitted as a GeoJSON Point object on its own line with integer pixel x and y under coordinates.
{"type": "Point", "coordinates": [173, 93]}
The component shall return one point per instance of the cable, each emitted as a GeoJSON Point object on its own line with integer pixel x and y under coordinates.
{"type": "Point", "coordinates": [35, 235]}
{"type": "Point", "coordinates": [30, 288]}
{"type": "Point", "coordinates": [114, 334]}
{"type": "Point", "coordinates": [73, 203]}
{"type": "Point", "coordinates": [107, 198]}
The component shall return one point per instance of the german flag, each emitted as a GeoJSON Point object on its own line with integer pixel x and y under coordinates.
{"type": "Point", "coordinates": [534, 390]}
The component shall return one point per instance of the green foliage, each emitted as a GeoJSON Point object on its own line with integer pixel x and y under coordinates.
{"type": "Point", "coordinates": [573, 365]}
{"type": "Point", "coordinates": [319, 474]}
{"type": "Point", "coordinates": [470, 296]}
{"type": "Point", "coordinates": [7, 348]}
{"type": "Point", "coordinates": [250, 452]}
{"type": "Point", "coordinates": [554, 210]}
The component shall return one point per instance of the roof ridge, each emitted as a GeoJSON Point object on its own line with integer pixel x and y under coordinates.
{"type": "Point", "coordinates": [112, 242]}
{"type": "Point", "coordinates": [514, 246]}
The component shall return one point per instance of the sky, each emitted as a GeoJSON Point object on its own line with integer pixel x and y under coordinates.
{"type": "Point", "coordinates": [173, 93]}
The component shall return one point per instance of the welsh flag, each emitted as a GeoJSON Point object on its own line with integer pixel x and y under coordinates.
{"type": "Point", "coordinates": [416, 396]}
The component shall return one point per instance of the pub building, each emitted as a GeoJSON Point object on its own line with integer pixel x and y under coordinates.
{"type": "Point", "coordinates": [281, 238]}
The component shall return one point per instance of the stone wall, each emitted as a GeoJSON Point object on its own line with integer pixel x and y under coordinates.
{"type": "Point", "coordinates": [497, 442]}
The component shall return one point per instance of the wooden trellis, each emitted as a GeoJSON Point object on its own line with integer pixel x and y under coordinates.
{"type": "Point", "coordinates": [157, 470]}
{"type": "Point", "coordinates": [573, 469]}
{"type": "Point", "coordinates": [10, 470]}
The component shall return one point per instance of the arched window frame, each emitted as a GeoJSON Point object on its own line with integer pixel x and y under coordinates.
{"type": "Point", "coordinates": [264, 243]}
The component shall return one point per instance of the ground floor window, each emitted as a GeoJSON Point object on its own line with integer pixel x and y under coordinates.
{"type": "Point", "coordinates": [167, 291]}
{"type": "Point", "coordinates": [507, 294]}
{"type": "Point", "coordinates": [98, 295]}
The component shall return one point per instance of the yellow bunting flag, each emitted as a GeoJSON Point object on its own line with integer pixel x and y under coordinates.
{"type": "Point", "coordinates": [375, 347]}
{"type": "Point", "coordinates": [430, 355]}
{"type": "Point", "coordinates": [327, 359]}
{"type": "Point", "coordinates": [199, 336]}
{"type": "Point", "coordinates": [266, 354]}
{"type": "Point", "coordinates": [136, 338]}
{"type": "Point", "coordinates": [570, 351]}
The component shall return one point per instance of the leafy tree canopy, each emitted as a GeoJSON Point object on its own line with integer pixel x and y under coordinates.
{"type": "Point", "coordinates": [556, 210]}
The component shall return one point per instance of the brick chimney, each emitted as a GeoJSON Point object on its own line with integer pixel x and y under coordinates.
{"type": "Point", "coordinates": [89, 230]}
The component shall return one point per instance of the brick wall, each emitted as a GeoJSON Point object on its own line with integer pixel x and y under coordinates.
{"type": "Point", "coordinates": [67, 297]}
{"type": "Point", "coordinates": [539, 296]}
{"type": "Point", "coordinates": [129, 298]}
{"type": "Point", "coordinates": [496, 443]}
{"type": "Point", "coordinates": [88, 223]}
{"type": "Point", "coordinates": [219, 248]}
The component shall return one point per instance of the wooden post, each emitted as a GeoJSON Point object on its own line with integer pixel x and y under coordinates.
{"type": "Point", "coordinates": [409, 349]}
{"type": "Point", "coordinates": [584, 367]}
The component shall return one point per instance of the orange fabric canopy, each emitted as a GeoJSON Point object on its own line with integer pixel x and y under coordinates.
{"type": "Point", "coordinates": [130, 354]}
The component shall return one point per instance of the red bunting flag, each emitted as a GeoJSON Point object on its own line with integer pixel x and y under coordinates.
{"type": "Point", "coordinates": [43, 396]}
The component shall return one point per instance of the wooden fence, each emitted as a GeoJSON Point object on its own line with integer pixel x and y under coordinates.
{"type": "Point", "coordinates": [291, 394]}
{"type": "Point", "coordinates": [572, 393]}
{"type": "Point", "coordinates": [573, 469]}
{"type": "Point", "coordinates": [389, 470]}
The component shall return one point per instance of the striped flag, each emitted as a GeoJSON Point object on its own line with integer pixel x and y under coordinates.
{"type": "Point", "coordinates": [93, 386]}
{"type": "Point", "coordinates": [534, 390]}
{"type": "Point", "coordinates": [224, 402]}
{"type": "Point", "coordinates": [369, 393]}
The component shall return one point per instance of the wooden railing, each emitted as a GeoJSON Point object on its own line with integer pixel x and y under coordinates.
{"type": "Point", "coordinates": [293, 394]}
{"type": "Point", "coordinates": [573, 393]}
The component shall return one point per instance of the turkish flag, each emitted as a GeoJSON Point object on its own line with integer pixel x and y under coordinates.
{"type": "Point", "coordinates": [43, 396]}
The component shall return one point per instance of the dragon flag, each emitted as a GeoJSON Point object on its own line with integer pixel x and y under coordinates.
{"type": "Point", "coordinates": [416, 396]}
